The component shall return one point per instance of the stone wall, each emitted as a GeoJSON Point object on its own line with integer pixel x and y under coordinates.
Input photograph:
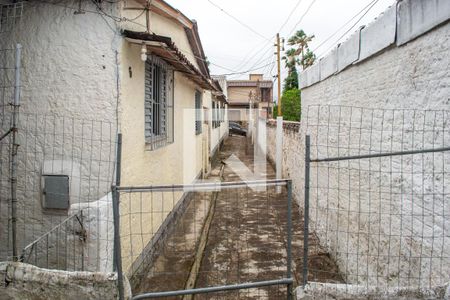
{"type": "Point", "coordinates": [385, 89]}
{"type": "Point", "coordinates": [22, 281]}
{"type": "Point", "coordinates": [67, 118]}
{"type": "Point", "coordinates": [317, 290]}
{"type": "Point", "coordinates": [293, 156]}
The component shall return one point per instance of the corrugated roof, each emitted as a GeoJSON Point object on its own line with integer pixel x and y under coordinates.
{"type": "Point", "coordinates": [167, 50]}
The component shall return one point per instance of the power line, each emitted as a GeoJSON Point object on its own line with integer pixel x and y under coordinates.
{"type": "Point", "coordinates": [99, 11]}
{"type": "Point", "coordinates": [290, 15]}
{"type": "Point", "coordinates": [250, 70]}
{"type": "Point", "coordinates": [258, 56]}
{"type": "Point", "coordinates": [273, 64]}
{"type": "Point", "coordinates": [340, 28]}
{"type": "Point", "coordinates": [365, 13]}
{"type": "Point", "coordinates": [239, 21]}
{"type": "Point", "coordinates": [282, 26]}
{"type": "Point", "coordinates": [262, 59]}
{"type": "Point", "coordinates": [244, 61]}
{"type": "Point", "coordinates": [302, 17]}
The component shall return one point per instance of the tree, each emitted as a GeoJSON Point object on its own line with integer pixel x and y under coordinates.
{"type": "Point", "coordinates": [301, 41]}
{"type": "Point", "coordinates": [289, 59]}
{"type": "Point", "coordinates": [308, 59]}
{"type": "Point", "coordinates": [290, 105]}
{"type": "Point", "coordinates": [299, 55]}
{"type": "Point", "coordinates": [291, 80]}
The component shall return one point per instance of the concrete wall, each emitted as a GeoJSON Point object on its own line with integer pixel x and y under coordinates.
{"type": "Point", "coordinates": [239, 94]}
{"type": "Point", "coordinates": [159, 25]}
{"type": "Point", "coordinates": [22, 281]}
{"type": "Point", "coordinates": [72, 64]}
{"type": "Point", "coordinates": [176, 163]}
{"type": "Point", "coordinates": [219, 133]}
{"type": "Point", "coordinates": [386, 69]}
{"type": "Point", "coordinates": [67, 112]}
{"type": "Point", "coordinates": [137, 158]}
{"type": "Point", "coordinates": [293, 155]}
{"type": "Point", "coordinates": [398, 25]}
{"type": "Point", "coordinates": [318, 290]}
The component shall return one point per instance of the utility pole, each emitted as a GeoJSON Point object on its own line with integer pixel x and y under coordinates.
{"type": "Point", "coordinates": [277, 44]}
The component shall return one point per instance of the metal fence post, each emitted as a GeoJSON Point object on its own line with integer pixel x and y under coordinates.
{"type": "Point", "coordinates": [15, 117]}
{"type": "Point", "coordinates": [117, 263]}
{"type": "Point", "coordinates": [306, 211]}
{"type": "Point", "coordinates": [289, 239]}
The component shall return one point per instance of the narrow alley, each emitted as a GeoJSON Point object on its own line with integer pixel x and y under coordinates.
{"type": "Point", "coordinates": [245, 240]}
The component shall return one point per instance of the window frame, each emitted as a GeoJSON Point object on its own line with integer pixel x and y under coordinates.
{"type": "Point", "coordinates": [158, 103]}
{"type": "Point", "coordinates": [198, 112]}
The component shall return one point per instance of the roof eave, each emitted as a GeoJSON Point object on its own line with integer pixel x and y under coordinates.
{"type": "Point", "coordinates": [164, 47]}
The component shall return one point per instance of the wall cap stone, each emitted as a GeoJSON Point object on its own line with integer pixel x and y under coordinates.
{"type": "Point", "coordinates": [24, 281]}
{"type": "Point", "coordinates": [397, 25]}
{"type": "Point", "coordinates": [319, 290]}
{"type": "Point", "coordinates": [287, 125]}
{"type": "Point", "coordinates": [416, 17]}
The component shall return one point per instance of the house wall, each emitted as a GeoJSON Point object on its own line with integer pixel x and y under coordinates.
{"type": "Point", "coordinates": [70, 99]}
{"type": "Point", "coordinates": [67, 112]}
{"type": "Point", "coordinates": [218, 133]}
{"type": "Point", "coordinates": [397, 63]}
{"type": "Point", "coordinates": [239, 94]}
{"type": "Point", "coordinates": [176, 163]}
{"type": "Point", "coordinates": [137, 157]}
{"type": "Point", "coordinates": [159, 25]}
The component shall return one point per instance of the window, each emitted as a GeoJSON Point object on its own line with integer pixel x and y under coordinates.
{"type": "Point", "coordinates": [222, 112]}
{"type": "Point", "coordinates": [158, 103]}
{"type": "Point", "coordinates": [215, 115]}
{"type": "Point", "coordinates": [198, 112]}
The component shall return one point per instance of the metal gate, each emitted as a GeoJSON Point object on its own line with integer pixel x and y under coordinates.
{"type": "Point", "coordinates": [205, 239]}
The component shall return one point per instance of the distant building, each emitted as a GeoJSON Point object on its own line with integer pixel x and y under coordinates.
{"type": "Point", "coordinates": [255, 91]}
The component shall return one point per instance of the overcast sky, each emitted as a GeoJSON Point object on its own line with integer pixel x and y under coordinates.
{"type": "Point", "coordinates": [232, 47]}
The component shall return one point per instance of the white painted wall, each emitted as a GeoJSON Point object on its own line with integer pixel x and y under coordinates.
{"type": "Point", "coordinates": [398, 251]}
{"type": "Point", "coordinates": [67, 112]}
{"type": "Point", "coordinates": [218, 133]}
{"type": "Point", "coordinates": [176, 163]}
{"type": "Point", "coordinates": [70, 73]}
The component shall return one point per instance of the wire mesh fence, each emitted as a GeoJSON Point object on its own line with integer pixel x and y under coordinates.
{"type": "Point", "coordinates": [60, 248]}
{"type": "Point", "coordinates": [10, 15]}
{"type": "Point", "coordinates": [203, 235]}
{"type": "Point", "coordinates": [65, 168]}
{"type": "Point", "coordinates": [9, 60]}
{"type": "Point", "coordinates": [378, 194]}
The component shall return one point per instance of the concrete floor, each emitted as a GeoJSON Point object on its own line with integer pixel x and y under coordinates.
{"type": "Point", "coordinates": [244, 241]}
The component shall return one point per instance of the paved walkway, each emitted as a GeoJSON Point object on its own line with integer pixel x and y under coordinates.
{"type": "Point", "coordinates": [244, 241]}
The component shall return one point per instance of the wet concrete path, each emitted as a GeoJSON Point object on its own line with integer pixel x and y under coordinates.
{"type": "Point", "coordinates": [245, 240]}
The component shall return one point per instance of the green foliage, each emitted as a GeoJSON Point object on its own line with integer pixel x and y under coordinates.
{"type": "Point", "coordinates": [291, 105]}
{"type": "Point", "coordinates": [307, 59]}
{"type": "Point", "coordinates": [291, 81]}
{"type": "Point", "coordinates": [302, 56]}
{"type": "Point", "coordinates": [275, 111]}
{"type": "Point", "coordinates": [289, 59]}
